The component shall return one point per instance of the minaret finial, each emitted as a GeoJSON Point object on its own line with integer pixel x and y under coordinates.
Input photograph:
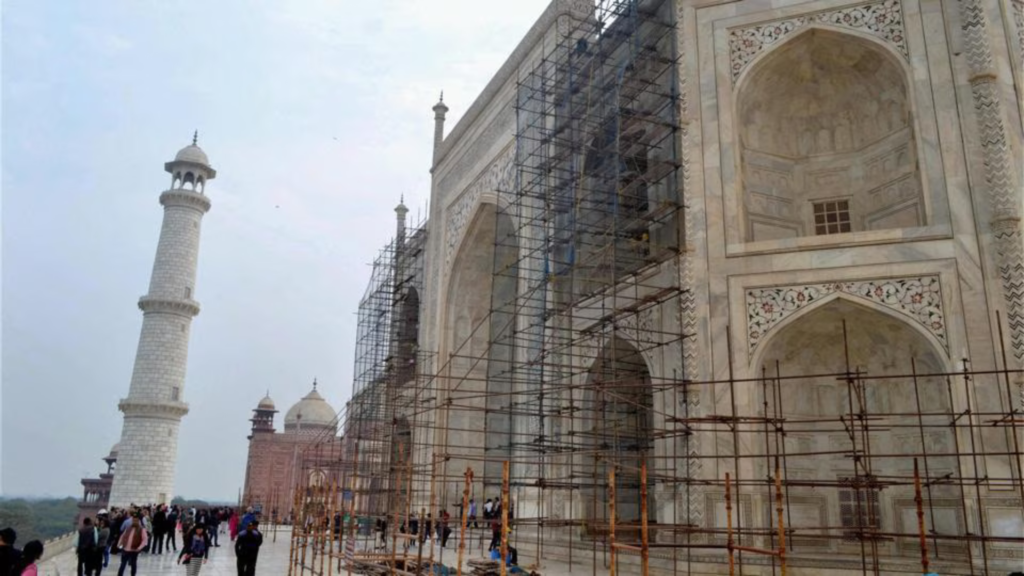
{"type": "Point", "coordinates": [442, 95]}
{"type": "Point", "coordinates": [314, 382]}
{"type": "Point", "coordinates": [195, 137]}
{"type": "Point", "coordinates": [401, 198]}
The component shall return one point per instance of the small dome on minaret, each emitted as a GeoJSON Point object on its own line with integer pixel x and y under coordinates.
{"type": "Point", "coordinates": [401, 209]}
{"type": "Point", "coordinates": [266, 403]}
{"type": "Point", "coordinates": [190, 160]}
{"type": "Point", "coordinates": [440, 108]}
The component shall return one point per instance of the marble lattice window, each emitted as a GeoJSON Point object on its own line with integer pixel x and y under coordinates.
{"type": "Point", "coordinates": [832, 217]}
{"type": "Point", "coordinates": [858, 510]}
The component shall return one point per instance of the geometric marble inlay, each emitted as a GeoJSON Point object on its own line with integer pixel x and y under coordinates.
{"type": "Point", "coordinates": [920, 299]}
{"type": "Point", "coordinates": [882, 19]}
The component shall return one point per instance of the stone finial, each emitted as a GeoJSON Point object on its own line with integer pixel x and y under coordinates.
{"type": "Point", "coordinates": [195, 138]}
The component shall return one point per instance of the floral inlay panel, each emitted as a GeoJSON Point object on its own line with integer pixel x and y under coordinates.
{"type": "Point", "coordinates": [882, 19]}
{"type": "Point", "coordinates": [920, 299]}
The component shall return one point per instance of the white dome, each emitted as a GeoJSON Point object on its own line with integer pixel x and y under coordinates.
{"type": "Point", "coordinates": [192, 153]}
{"type": "Point", "coordinates": [312, 412]}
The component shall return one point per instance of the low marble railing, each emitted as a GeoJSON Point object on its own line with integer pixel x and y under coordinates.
{"type": "Point", "coordinates": [58, 556]}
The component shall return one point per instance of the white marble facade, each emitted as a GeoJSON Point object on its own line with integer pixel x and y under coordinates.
{"type": "Point", "coordinates": [905, 109]}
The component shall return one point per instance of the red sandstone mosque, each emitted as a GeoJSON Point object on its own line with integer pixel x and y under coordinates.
{"type": "Point", "coordinates": [276, 458]}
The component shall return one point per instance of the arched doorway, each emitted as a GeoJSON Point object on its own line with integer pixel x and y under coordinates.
{"type": "Point", "coordinates": [827, 140]}
{"type": "Point", "coordinates": [480, 316]}
{"type": "Point", "coordinates": [618, 430]}
{"type": "Point", "coordinates": [853, 477]}
{"type": "Point", "coordinates": [407, 337]}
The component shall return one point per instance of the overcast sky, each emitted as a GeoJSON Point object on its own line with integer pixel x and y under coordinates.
{"type": "Point", "coordinates": [316, 115]}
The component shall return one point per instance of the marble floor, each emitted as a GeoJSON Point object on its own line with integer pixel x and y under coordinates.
{"type": "Point", "coordinates": [273, 561]}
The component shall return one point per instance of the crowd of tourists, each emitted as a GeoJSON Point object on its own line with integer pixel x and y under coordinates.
{"type": "Point", "coordinates": [150, 530]}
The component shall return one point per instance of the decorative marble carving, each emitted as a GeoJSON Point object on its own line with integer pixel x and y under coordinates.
{"type": "Point", "coordinates": [1003, 193]}
{"type": "Point", "coordinates": [1017, 6]}
{"type": "Point", "coordinates": [640, 327]}
{"type": "Point", "coordinates": [882, 19]}
{"type": "Point", "coordinates": [693, 507]}
{"type": "Point", "coordinates": [500, 176]}
{"type": "Point", "coordinates": [920, 299]}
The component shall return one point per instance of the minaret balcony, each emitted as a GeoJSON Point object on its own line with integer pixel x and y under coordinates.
{"type": "Point", "coordinates": [156, 409]}
{"type": "Point", "coordinates": [185, 198]}
{"type": "Point", "coordinates": [182, 307]}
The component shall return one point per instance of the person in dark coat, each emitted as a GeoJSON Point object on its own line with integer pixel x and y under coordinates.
{"type": "Point", "coordinates": [9, 555]}
{"type": "Point", "coordinates": [247, 549]}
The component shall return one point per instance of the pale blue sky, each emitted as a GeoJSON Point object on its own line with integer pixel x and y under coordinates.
{"type": "Point", "coordinates": [316, 114]}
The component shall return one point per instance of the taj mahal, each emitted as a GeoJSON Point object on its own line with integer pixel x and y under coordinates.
{"type": "Point", "coordinates": [705, 287]}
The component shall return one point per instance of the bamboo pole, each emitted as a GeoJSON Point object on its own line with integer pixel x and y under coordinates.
{"type": "Point", "coordinates": [728, 524]}
{"type": "Point", "coordinates": [782, 521]}
{"type": "Point", "coordinates": [920, 519]}
{"type": "Point", "coordinates": [504, 515]}
{"type": "Point", "coordinates": [464, 519]}
{"type": "Point", "coordinates": [645, 552]}
{"type": "Point", "coordinates": [611, 519]}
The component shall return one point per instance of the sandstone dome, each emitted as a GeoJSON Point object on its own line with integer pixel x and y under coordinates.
{"type": "Point", "coordinates": [266, 404]}
{"type": "Point", "coordinates": [310, 413]}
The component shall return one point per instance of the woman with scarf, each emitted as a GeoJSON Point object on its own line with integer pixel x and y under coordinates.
{"type": "Point", "coordinates": [132, 541]}
{"type": "Point", "coordinates": [195, 549]}
{"type": "Point", "coordinates": [233, 525]}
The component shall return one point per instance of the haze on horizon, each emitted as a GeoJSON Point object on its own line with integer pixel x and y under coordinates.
{"type": "Point", "coordinates": [316, 115]}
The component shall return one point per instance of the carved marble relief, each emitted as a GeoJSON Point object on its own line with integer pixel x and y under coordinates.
{"type": "Point", "coordinates": [919, 299]}
{"type": "Point", "coordinates": [881, 19]}
{"type": "Point", "coordinates": [1017, 6]}
{"type": "Point", "coordinates": [500, 176]}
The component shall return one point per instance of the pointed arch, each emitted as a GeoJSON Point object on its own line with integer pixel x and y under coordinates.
{"type": "Point", "coordinates": [618, 432]}
{"type": "Point", "coordinates": [827, 137]}
{"type": "Point", "coordinates": [757, 358]}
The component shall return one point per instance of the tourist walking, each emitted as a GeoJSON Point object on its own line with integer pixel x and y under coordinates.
{"type": "Point", "coordinates": [195, 550]}
{"type": "Point", "coordinates": [171, 528]}
{"type": "Point", "coordinates": [233, 524]}
{"type": "Point", "coordinates": [102, 554]}
{"type": "Point", "coordinates": [132, 541]}
{"type": "Point", "coordinates": [247, 549]}
{"type": "Point", "coordinates": [472, 513]}
{"type": "Point", "coordinates": [85, 548]}
{"type": "Point", "coordinates": [159, 527]}
{"type": "Point", "coordinates": [29, 557]}
{"type": "Point", "coordinates": [10, 557]}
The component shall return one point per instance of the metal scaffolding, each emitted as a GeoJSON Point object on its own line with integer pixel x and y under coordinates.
{"type": "Point", "coordinates": [547, 404]}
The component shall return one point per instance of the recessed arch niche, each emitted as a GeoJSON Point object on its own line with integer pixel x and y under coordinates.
{"type": "Point", "coordinates": [619, 405]}
{"type": "Point", "coordinates": [827, 117]}
{"type": "Point", "coordinates": [814, 403]}
{"type": "Point", "coordinates": [479, 321]}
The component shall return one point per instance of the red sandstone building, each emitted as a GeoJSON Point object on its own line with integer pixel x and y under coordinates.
{"type": "Point", "coordinates": [96, 492]}
{"type": "Point", "coordinates": [276, 458]}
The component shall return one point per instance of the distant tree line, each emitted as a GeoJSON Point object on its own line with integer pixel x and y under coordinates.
{"type": "Point", "coordinates": [38, 519]}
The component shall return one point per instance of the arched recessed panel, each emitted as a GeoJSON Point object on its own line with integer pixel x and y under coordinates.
{"type": "Point", "coordinates": [827, 140]}
{"type": "Point", "coordinates": [620, 406]}
{"type": "Point", "coordinates": [480, 316]}
{"type": "Point", "coordinates": [817, 407]}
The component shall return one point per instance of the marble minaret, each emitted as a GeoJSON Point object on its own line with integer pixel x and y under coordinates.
{"type": "Point", "coordinates": [155, 403]}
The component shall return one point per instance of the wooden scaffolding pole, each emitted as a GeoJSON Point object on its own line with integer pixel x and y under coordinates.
{"type": "Point", "coordinates": [464, 519]}
{"type": "Point", "coordinates": [611, 519]}
{"type": "Point", "coordinates": [504, 515]}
